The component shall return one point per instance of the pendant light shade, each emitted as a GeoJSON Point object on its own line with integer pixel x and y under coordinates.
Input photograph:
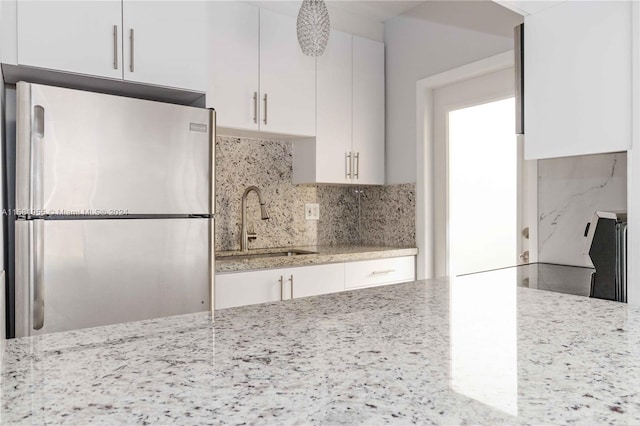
{"type": "Point", "coordinates": [313, 27]}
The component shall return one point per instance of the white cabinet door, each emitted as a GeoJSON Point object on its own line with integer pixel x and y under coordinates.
{"type": "Point", "coordinates": [368, 111]}
{"type": "Point", "coordinates": [333, 133]}
{"type": "Point", "coordinates": [370, 273]}
{"type": "Point", "coordinates": [82, 37]}
{"type": "Point", "coordinates": [165, 43]}
{"type": "Point", "coordinates": [248, 288]}
{"type": "Point", "coordinates": [578, 79]}
{"type": "Point", "coordinates": [287, 78]}
{"type": "Point", "coordinates": [233, 65]}
{"type": "Point", "coordinates": [308, 281]}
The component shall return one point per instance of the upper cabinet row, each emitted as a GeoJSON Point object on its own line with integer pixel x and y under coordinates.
{"type": "Point", "coordinates": [160, 42]}
{"type": "Point", "coordinates": [245, 58]}
{"type": "Point", "coordinates": [259, 80]}
{"type": "Point", "coordinates": [578, 79]}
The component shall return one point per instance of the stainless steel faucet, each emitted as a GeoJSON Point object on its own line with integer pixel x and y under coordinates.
{"type": "Point", "coordinates": [246, 236]}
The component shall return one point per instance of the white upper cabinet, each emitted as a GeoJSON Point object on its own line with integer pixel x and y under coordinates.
{"type": "Point", "coordinates": [334, 121]}
{"type": "Point", "coordinates": [82, 37]}
{"type": "Point", "coordinates": [287, 78]}
{"type": "Point", "coordinates": [368, 111]}
{"type": "Point", "coordinates": [577, 74]}
{"type": "Point", "coordinates": [155, 42]}
{"type": "Point", "coordinates": [165, 43]}
{"type": "Point", "coordinates": [349, 143]}
{"type": "Point", "coordinates": [259, 79]}
{"type": "Point", "coordinates": [233, 64]}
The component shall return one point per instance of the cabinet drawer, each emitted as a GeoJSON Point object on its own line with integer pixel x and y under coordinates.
{"type": "Point", "coordinates": [380, 271]}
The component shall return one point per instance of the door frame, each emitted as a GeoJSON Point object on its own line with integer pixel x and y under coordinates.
{"type": "Point", "coordinates": [425, 189]}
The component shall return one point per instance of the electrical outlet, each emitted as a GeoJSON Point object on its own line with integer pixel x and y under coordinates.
{"type": "Point", "coordinates": [312, 211]}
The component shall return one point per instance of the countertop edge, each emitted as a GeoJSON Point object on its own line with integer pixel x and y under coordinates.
{"type": "Point", "coordinates": [336, 256]}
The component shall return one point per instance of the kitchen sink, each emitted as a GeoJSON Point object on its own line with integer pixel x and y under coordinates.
{"type": "Point", "coordinates": [259, 255]}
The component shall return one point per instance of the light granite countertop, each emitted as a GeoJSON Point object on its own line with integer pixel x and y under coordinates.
{"type": "Point", "coordinates": [474, 350]}
{"type": "Point", "coordinates": [225, 261]}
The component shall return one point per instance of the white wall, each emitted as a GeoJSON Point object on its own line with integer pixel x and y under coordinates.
{"type": "Point", "coordinates": [427, 40]}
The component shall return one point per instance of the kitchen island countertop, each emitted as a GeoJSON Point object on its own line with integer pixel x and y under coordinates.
{"type": "Point", "coordinates": [476, 349]}
{"type": "Point", "coordinates": [225, 261]}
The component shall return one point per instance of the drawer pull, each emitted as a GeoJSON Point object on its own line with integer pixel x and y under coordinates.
{"type": "Point", "coordinates": [281, 287]}
{"type": "Point", "coordinates": [291, 281]}
{"type": "Point", "coordinates": [386, 271]}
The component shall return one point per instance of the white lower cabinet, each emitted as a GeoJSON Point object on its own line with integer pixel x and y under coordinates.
{"type": "Point", "coordinates": [370, 273]}
{"type": "Point", "coordinates": [272, 285]}
{"type": "Point", "coordinates": [308, 281]}
{"type": "Point", "coordinates": [249, 288]}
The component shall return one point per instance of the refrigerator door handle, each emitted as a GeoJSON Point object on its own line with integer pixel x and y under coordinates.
{"type": "Point", "coordinates": [36, 160]}
{"type": "Point", "coordinates": [37, 273]}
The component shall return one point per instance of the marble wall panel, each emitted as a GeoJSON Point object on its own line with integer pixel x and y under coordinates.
{"type": "Point", "coordinates": [570, 190]}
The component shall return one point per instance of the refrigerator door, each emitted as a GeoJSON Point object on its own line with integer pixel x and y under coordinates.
{"type": "Point", "coordinates": [85, 273]}
{"type": "Point", "coordinates": [85, 153]}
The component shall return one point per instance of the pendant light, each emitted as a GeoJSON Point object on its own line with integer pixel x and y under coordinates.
{"type": "Point", "coordinates": [313, 27]}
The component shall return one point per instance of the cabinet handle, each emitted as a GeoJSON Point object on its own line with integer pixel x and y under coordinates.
{"type": "Point", "coordinates": [281, 287]}
{"type": "Point", "coordinates": [115, 47]}
{"type": "Point", "coordinates": [356, 157]}
{"type": "Point", "coordinates": [386, 271]}
{"type": "Point", "coordinates": [131, 45]}
{"type": "Point", "coordinates": [255, 107]}
{"type": "Point", "coordinates": [347, 165]}
{"type": "Point", "coordinates": [291, 281]}
{"type": "Point", "coordinates": [265, 108]}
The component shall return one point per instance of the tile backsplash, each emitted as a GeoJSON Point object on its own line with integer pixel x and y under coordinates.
{"type": "Point", "coordinates": [570, 190]}
{"type": "Point", "coordinates": [369, 215]}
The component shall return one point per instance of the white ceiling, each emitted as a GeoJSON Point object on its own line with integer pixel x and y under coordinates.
{"type": "Point", "coordinates": [375, 10]}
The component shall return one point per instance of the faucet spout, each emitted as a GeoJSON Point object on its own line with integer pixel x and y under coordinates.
{"type": "Point", "coordinates": [264, 214]}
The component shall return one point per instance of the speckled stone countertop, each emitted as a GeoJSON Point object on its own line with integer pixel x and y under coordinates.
{"type": "Point", "coordinates": [474, 350]}
{"type": "Point", "coordinates": [225, 261]}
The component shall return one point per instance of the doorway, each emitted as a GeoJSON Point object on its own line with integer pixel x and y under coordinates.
{"type": "Point", "coordinates": [478, 176]}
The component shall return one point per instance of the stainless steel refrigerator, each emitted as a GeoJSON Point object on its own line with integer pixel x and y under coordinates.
{"type": "Point", "coordinates": [115, 203]}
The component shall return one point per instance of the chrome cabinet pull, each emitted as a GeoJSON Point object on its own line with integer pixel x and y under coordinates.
{"type": "Point", "coordinates": [265, 108]}
{"type": "Point", "coordinates": [291, 281]}
{"type": "Point", "coordinates": [347, 165]}
{"type": "Point", "coordinates": [115, 47]}
{"type": "Point", "coordinates": [255, 107]}
{"type": "Point", "coordinates": [131, 53]}
{"type": "Point", "coordinates": [356, 158]}
{"type": "Point", "coordinates": [281, 287]}
{"type": "Point", "coordinates": [386, 271]}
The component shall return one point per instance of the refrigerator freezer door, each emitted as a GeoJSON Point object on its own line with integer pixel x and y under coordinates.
{"type": "Point", "coordinates": [86, 153]}
{"type": "Point", "coordinates": [85, 273]}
